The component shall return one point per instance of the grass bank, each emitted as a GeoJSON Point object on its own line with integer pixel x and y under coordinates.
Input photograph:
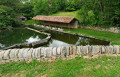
{"type": "Point", "coordinates": [69, 14]}
{"type": "Point", "coordinates": [78, 67]}
{"type": "Point", "coordinates": [30, 22]}
{"type": "Point", "coordinates": [113, 37]}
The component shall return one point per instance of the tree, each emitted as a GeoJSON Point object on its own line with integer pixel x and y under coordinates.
{"type": "Point", "coordinates": [27, 10]}
{"type": "Point", "coordinates": [6, 14]}
{"type": "Point", "coordinates": [41, 7]}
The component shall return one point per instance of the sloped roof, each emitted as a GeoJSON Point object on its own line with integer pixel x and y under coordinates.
{"type": "Point", "coordinates": [54, 19]}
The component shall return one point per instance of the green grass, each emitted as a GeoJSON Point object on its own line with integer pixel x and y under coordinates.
{"type": "Point", "coordinates": [78, 67]}
{"type": "Point", "coordinates": [69, 14]}
{"type": "Point", "coordinates": [113, 37]}
{"type": "Point", "coordinates": [30, 22]}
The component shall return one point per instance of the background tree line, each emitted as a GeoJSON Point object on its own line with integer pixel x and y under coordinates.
{"type": "Point", "coordinates": [90, 12]}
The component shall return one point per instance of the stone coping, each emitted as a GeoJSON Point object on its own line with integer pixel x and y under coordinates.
{"type": "Point", "coordinates": [33, 44]}
{"type": "Point", "coordinates": [53, 53]}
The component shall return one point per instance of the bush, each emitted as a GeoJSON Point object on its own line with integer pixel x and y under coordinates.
{"type": "Point", "coordinates": [7, 17]}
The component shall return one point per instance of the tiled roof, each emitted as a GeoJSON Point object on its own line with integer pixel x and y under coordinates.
{"type": "Point", "coordinates": [54, 19]}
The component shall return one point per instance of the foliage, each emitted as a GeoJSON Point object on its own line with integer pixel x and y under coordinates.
{"type": "Point", "coordinates": [73, 5]}
{"type": "Point", "coordinates": [116, 16]}
{"type": "Point", "coordinates": [8, 12]}
{"type": "Point", "coordinates": [41, 7]}
{"type": "Point", "coordinates": [91, 12]}
{"type": "Point", "coordinates": [46, 7]}
{"type": "Point", "coordinates": [69, 14]}
{"type": "Point", "coordinates": [14, 4]}
{"type": "Point", "coordinates": [27, 10]}
{"type": "Point", "coordinates": [6, 17]}
{"type": "Point", "coordinates": [104, 12]}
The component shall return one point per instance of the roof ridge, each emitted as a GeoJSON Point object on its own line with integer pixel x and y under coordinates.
{"type": "Point", "coordinates": [61, 19]}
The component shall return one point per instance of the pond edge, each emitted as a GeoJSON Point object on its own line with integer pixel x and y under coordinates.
{"type": "Point", "coordinates": [33, 44]}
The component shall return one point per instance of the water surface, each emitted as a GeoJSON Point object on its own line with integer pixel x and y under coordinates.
{"type": "Point", "coordinates": [18, 36]}
{"type": "Point", "coordinates": [61, 39]}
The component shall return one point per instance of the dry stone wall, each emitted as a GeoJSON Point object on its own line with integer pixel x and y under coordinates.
{"type": "Point", "coordinates": [111, 29]}
{"type": "Point", "coordinates": [53, 53]}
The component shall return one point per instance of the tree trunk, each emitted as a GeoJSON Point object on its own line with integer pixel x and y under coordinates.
{"type": "Point", "coordinates": [102, 9]}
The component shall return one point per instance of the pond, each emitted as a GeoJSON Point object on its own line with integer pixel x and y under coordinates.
{"type": "Point", "coordinates": [62, 39]}
{"type": "Point", "coordinates": [18, 36]}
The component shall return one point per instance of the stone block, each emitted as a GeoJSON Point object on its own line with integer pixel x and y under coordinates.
{"type": "Point", "coordinates": [42, 52]}
{"type": "Point", "coordinates": [33, 54]}
{"type": "Point", "coordinates": [71, 50]}
{"type": "Point", "coordinates": [58, 50]}
{"type": "Point", "coordinates": [63, 52]}
{"type": "Point", "coordinates": [20, 54]}
{"type": "Point", "coordinates": [12, 54]}
{"type": "Point", "coordinates": [37, 53]}
{"type": "Point", "coordinates": [109, 49]}
{"type": "Point", "coordinates": [49, 51]}
{"type": "Point", "coordinates": [25, 54]}
{"type": "Point", "coordinates": [45, 52]}
{"type": "Point", "coordinates": [96, 50]}
{"type": "Point", "coordinates": [74, 48]}
{"type": "Point", "coordinates": [67, 51]}
{"type": "Point", "coordinates": [16, 54]}
{"type": "Point", "coordinates": [90, 51]}
{"type": "Point", "coordinates": [6, 54]}
{"type": "Point", "coordinates": [103, 51]}
{"type": "Point", "coordinates": [2, 55]}
{"type": "Point", "coordinates": [78, 50]}
{"type": "Point", "coordinates": [116, 49]}
{"type": "Point", "coordinates": [30, 53]}
{"type": "Point", "coordinates": [84, 50]}
{"type": "Point", "coordinates": [54, 52]}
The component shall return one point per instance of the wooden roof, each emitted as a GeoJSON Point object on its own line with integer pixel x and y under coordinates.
{"type": "Point", "coordinates": [59, 19]}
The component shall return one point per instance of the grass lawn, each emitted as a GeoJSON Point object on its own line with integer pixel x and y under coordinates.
{"type": "Point", "coordinates": [78, 67]}
{"type": "Point", "coordinates": [69, 14]}
{"type": "Point", "coordinates": [113, 37]}
{"type": "Point", "coordinates": [30, 22]}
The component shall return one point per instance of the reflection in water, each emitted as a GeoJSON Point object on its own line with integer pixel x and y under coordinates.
{"type": "Point", "coordinates": [1, 45]}
{"type": "Point", "coordinates": [61, 39]}
{"type": "Point", "coordinates": [18, 36]}
{"type": "Point", "coordinates": [57, 43]}
{"type": "Point", "coordinates": [32, 39]}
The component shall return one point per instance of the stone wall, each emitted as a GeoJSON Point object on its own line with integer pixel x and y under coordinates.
{"type": "Point", "coordinates": [53, 53]}
{"type": "Point", "coordinates": [111, 29]}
